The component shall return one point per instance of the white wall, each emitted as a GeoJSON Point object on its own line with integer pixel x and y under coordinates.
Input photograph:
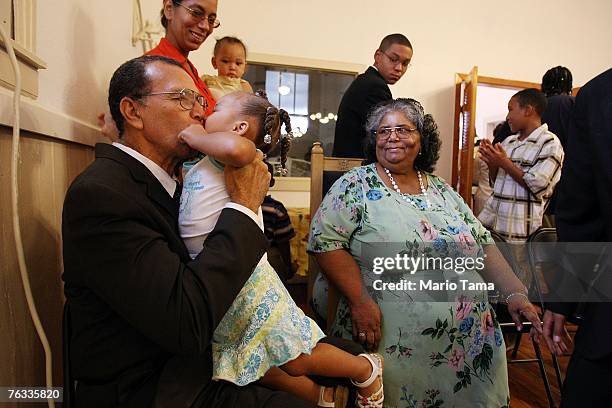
{"type": "Point", "coordinates": [83, 41]}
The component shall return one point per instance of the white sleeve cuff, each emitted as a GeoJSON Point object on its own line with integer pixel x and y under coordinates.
{"type": "Point", "coordinates": [245, 211]}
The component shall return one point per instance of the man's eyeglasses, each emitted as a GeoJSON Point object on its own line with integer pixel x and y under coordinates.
{"type": "Point", "coordinates": [403, 133]}
{"type": "Point", "coordinates": [394, 59]}
{"type": "Point", "coordinates": [186, 97]}
{"type": "Point", "coordinates": [200, 15]}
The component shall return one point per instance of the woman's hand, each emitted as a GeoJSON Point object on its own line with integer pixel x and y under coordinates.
{"type": "Point", "coordinates": [108, 127]}
{"type": "Point", "coordinates": [366, 319]}
{"type": "Point", "coordinates": [520, 309]}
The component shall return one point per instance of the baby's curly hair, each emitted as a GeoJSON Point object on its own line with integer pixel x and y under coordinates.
{"type": "Point", "coordinates": [428, 129]}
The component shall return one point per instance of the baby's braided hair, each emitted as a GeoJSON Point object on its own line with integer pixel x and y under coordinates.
{"type": "Point", "coordinates": [270, 119]}
{"type": "Point", "coordinates": [274, 118]}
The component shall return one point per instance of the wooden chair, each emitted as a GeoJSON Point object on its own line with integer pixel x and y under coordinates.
{"type": "Point", "coordinates": [324, 172]}
{"type": "Point", "coordinates": [541, 257]}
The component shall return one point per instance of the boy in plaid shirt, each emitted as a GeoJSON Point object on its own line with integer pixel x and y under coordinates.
{"type": "Point", "coordinates": [525, 168]}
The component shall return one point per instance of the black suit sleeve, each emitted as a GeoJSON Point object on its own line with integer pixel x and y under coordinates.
{"type": "Point", "coordinates": [578, 217]}
{"type": "Point", "coordinates": [379, 92]}
{"type": "Point", "coordinates": [122, 254]}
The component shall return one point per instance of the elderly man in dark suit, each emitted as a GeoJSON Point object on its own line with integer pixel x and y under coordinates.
{"type": "Point", "coordinates": [391, 60]}
{"type": "Point", "coordinates": [584, 214]}
{"type": "Point", "coordinates": [143, 313]}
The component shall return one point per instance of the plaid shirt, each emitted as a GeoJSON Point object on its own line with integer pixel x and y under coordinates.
{"type": "Point", "coordinates": [514, 211]}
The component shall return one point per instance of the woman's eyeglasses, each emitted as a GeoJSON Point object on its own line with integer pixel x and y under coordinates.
{"type": "Point", "coordinates": [403, 133]}
{"type": "Point", "coordinates": [200, 15]}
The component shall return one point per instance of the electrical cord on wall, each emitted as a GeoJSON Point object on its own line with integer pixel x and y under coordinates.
{"type": "Point", "coordinates": [16, 225]}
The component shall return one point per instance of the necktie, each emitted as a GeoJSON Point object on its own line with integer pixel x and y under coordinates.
{"type": "Point", "coordinates": [177, 193]}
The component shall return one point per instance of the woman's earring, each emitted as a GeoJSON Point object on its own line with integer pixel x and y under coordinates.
{"type": "Point", "coordinates": [267, 139]}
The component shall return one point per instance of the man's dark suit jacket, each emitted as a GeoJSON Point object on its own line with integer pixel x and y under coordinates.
{"type": "Point", "coordinates": [137, 300]}
{"type": "Point", "coordinates": [584, 206]}
{"type": "Point", "coordinates": [365, 91]}
{"type": "Point", "coordinates": [559, 110]}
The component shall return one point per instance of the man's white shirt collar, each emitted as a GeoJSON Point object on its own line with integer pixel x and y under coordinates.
{"type": "Point", "coordinates": [169, 183]}
{"type": "Point", "coordinates": [160, 174]}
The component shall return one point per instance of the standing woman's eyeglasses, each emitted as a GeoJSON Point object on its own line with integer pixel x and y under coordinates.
{"type": "Point", "coordinates": [200, 15]}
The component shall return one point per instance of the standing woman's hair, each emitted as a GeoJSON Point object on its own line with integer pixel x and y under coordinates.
{"type": "Point", "coordinates": [269, 119]}
{"type": "Point", "coordinates": [164, 20]}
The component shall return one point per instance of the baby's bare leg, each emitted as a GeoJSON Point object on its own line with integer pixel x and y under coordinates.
{"type": "Point", "coordinates": [330, 361]}
{"type": "Point", "coordinates": [302, 386]}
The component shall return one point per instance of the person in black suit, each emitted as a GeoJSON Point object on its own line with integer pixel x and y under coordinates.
{"type": "Point", "coordinates": [557, 86]}
{"type": "Point", "coordinates": [391, 60]}
{"type": "Point", "coordinates": [584, 215]}
{"type": "Point", "coordinates": [142, 312]}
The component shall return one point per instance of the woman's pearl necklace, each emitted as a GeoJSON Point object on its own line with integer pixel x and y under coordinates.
{"type": "Point", "coordinates": [406, 197]}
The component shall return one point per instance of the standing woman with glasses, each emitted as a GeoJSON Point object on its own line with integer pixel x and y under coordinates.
{"type": "Point", "coordinates": [188, 23]}
{"type": "Point", "coordinates": [442, 346]}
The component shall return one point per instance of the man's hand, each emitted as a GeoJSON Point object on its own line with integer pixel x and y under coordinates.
{"type": "Point", "coordinates": [366, 317]}
{"type": "Point", "coordinates": [555, 334]}
{"type": "Point", "coordinates": [248, 185]}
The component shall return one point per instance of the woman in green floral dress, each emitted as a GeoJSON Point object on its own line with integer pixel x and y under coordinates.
{"type": "Point", "coordinates": [441, 342]}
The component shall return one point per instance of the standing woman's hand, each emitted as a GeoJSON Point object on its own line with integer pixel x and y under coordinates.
{"type": "Point", "coordinates": [108, 127]}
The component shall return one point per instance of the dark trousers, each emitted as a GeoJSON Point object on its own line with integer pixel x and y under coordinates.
{"type": "Point", "coordinates": [588, 383]}
{"type": "Point", "coordinates": [221, 394]}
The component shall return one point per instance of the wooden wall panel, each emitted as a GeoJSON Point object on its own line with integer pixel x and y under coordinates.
{"type": "Point", "coordinates": [47, 167]}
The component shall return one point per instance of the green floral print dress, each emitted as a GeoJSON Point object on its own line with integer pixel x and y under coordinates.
{"type": "Point", "coordinates": [440, 351]}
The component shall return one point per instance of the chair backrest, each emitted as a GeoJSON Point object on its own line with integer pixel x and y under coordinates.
{"type": "Point", "coordinates": [542, 260]}
{"type": "Point", "coordinates": [324, 172]}
{"type": "Point", "coordinates": [504, 248]}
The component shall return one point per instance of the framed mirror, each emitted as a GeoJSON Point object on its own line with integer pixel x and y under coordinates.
{"type": "Point", "coordinates": [310, 91]}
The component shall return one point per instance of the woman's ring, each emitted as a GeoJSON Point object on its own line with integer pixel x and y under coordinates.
{"type": "Point", "coordinates": [362, 334]}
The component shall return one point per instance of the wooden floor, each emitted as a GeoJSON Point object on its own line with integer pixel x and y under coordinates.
{"type": "Point", "coordinates": [526, 385]}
